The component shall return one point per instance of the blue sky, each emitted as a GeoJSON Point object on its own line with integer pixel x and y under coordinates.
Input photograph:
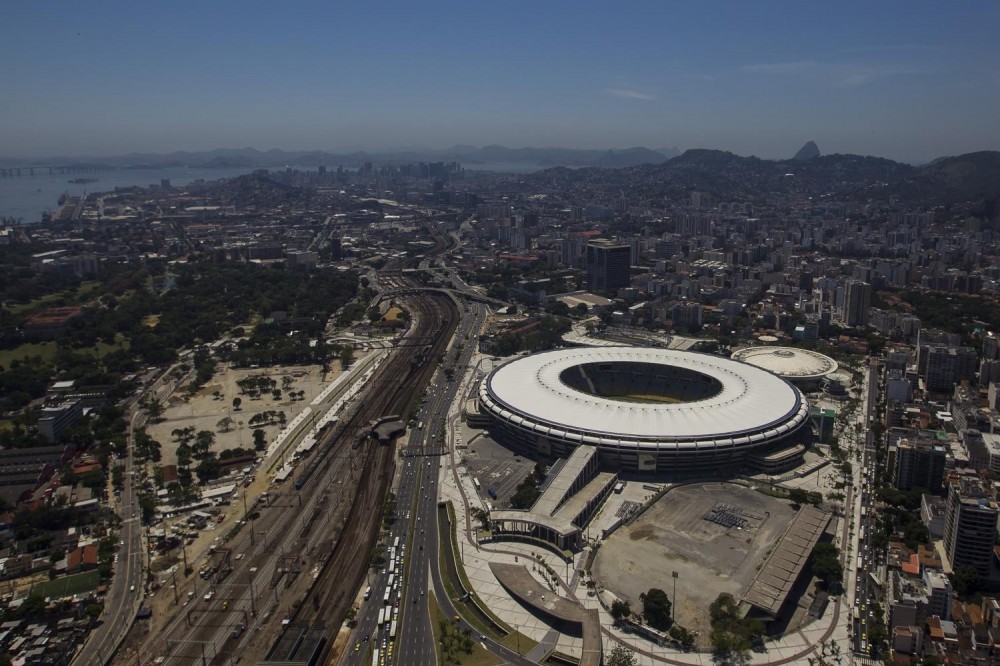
{"type": "Point", "coordinates": [907, 80]}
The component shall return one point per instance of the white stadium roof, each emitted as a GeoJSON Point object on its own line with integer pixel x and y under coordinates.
{"type": "Point", "coordinates": [752, 407]}
{"type": "Point", "coordinates": [788, 362]}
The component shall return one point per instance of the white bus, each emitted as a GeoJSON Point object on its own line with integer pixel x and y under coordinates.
{"type": "Point", "coordinates": [375, 658]}
{"type": "Point", "coordinates": [395, 544]}
{"type": "Point", "coordinates": [392, 579]}
{"type": "Point", "coordinates": [385, 597]}
{"type": "Point", "coordinates": [392, 631]}
{"type": "Point", "coordinates": [381, 616]}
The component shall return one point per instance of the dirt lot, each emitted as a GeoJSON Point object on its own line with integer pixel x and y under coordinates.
{"type": "Point", "coordinates": [204, 410]}
{"type": "Point", "coordinates": [709, 558]}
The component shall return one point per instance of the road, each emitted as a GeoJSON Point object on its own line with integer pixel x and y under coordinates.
{"type": "Point", "coordinates": [416, 526]}
{"type": "Point", "coordinates": [867, 559]}
{"type": "Point", "coordinates": [127, 588]}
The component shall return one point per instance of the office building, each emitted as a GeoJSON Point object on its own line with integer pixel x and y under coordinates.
{"type": "Point", "coordinates": [607, 264]}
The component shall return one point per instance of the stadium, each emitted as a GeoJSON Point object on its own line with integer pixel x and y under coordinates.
{"type": "Point", "coordinates": [647, 410]}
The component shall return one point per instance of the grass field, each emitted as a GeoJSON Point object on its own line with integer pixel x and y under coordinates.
{"type": "Point", "coordinates": [47, 350]}
{"type": "Point", "coordinates": [44, 349]}
{"type": "Point", "coordinates": [67, 296]}
{"type": "Point", "coordinates": [69, 585]}
{"type": "Point", "coordinates": [650, 398]}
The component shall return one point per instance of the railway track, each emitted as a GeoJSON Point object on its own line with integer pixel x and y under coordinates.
{"type": "Point", "coordinates": [334, 590]}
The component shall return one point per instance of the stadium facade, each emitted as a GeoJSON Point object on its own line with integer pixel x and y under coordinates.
{"type": "Point", "coordinates": [648, 410]}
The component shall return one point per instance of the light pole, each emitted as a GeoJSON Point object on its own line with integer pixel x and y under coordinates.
{"type": "Point", "coordinates": [673, 606]}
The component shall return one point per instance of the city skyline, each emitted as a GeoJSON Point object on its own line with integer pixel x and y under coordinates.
{"type": "Point", "coordinates": [910, 82]}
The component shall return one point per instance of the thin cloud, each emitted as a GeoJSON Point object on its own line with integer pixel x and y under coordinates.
{"type": "Point", "coordinates": [629, 93]}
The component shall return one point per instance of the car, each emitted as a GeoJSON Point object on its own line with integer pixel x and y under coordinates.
{"type": "Point", "coordinates": [131, 588]}
{"type": "Point", "coordinates": [367, 636]}
{"type": "Point", "coordinates": [357, 646]}
{"type": "Point", "coordinates": [225, 604]}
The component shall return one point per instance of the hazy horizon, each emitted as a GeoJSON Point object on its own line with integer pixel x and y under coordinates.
{"type": "Point", "coordinates": [908, 81]}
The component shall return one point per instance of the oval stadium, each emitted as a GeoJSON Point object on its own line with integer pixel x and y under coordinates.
{"type": "Point", "coordinates": [647, 410]}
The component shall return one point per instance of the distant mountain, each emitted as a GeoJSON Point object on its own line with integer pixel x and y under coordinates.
{"type": "Point", "coordinates": [631, 157]}
{"type": "Point", "coordinates": [808, 151]}
{"type": "Point", "coordinates": [973, 178]}
{"type": "Point", "coordinates": [471, 155]}
{"type": "Point", "coordinates": [969, 177]}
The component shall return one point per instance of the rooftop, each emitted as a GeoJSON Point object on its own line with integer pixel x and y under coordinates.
{"type": "Point", "coordinates": [750, 404]}
{"type": "Point", "coordinates": [788, 362]}
{"type": "Point", "coordinates": [770, 588]}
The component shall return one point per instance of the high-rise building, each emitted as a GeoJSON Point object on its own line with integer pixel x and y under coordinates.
{"type": "Point", "coordinates": [970, 524]}
{"type": "Point", "coordinates": [607, 265]}
{"type": "Point", "coordinates": [919, 464]}
{"type": "Point", "coordinates": [946, 366]}
{"type": "Point", "coordinates": [857, 299]}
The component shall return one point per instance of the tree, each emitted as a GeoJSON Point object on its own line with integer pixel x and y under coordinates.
{"type": "Point", "coordinates": [147, 505]}
{"type": "Point", "coordinates": [346, 358]}
{"type": "Point", "coordinates": [621, 656]}
{"type": "Point", "coordinates": [826, 564]}
{"type": "Point", "coordinates": [620, 610]}
{"type": "Point", "coordinates": [682, 636]}
{"type": "Point", "coordinates": [483, 516]}
{"type": "Point", "coordinates": [526, 493]}
{"type": "Point", "coordinates": [225, 424]}
{"type": "Point", "coordinates": [208, 469]}
{"type": "Point", "coordinates": [656, 608]}
{"type": "Point", "coordinates": [93, 611]}
{"type": "Point", "coordinates": [965, 580]}
{"type": "Point", "coordinates": [203, 441]}
{"type": "Point", "coordinates": [731, 634]}
{"type": "Point", "coordinates": [798, 496]}
{"type": "Point", "coordinates": [237, 401]}
{"type": "Point", "coordinates": [259, 440]}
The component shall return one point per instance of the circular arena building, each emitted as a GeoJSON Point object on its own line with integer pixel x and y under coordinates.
{"type": "Point", "coordinates": [803, 367]}
{"type": "Point", "coordinates": [648, 410]}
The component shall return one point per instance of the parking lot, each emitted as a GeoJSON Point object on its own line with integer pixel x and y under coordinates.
{"type": "Point", "coordinates": [495, 467]}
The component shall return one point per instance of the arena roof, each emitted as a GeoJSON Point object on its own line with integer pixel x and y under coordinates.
{"type": "Point", "coordinates": [791, 363]}
{"type": "Point", "coordinates": [752, 406]}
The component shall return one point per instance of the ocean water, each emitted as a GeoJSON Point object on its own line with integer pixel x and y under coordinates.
{"type": "Point", "coordinates": [28, 197]}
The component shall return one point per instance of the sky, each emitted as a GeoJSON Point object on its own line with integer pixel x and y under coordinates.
{"type": "Point", "coordinates": [909, 80]}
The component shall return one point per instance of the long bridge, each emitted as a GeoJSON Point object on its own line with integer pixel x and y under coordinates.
{"type": "Point", "coordinates": [17, 172]}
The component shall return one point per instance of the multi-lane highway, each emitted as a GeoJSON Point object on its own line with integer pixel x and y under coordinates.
{"type": "Point", "coordinates": [867, 559]}
{"type": "Point", "coordinates": [416, 525]}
